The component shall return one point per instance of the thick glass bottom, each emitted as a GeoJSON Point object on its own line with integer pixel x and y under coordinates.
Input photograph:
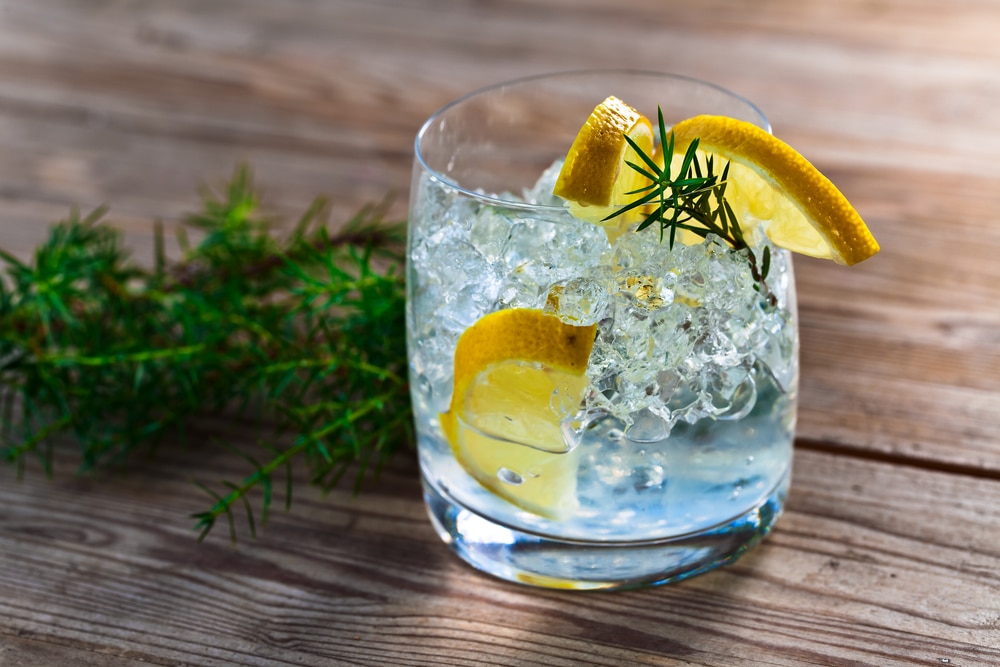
{"type": "Point", "coordinates": [539, 560]}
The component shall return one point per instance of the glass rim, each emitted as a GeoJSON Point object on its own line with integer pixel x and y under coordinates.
{"type": "Point", "coordinates": [496, 200]}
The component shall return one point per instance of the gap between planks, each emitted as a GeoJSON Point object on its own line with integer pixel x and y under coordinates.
{"type": "Point", "coordinates": [897, 459]}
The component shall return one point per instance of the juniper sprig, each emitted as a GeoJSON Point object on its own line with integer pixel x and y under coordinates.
{"type": "Point", "coordinates": [692, 199]}
{"type": "Point", "coordinates": [305, 332]}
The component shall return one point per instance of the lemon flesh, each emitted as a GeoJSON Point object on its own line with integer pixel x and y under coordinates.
{"type": "Point", "coordinates": [595, 178]}
{"type": "Point", "coordinates": [775, 187]}
{"type": "Point", "coordinates": [518, 373]}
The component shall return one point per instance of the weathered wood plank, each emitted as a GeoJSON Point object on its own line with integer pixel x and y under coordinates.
{"type": "Point", "coordinates": [873, 564]}
{"type": "Point", "coordinates": [136, 104]}
{"type": "Point", "coordinates": [889, 553]}
{"type": "Point", "coordinates": [22, 649]}
{"type": "Point", "coordinates": [902, 353]}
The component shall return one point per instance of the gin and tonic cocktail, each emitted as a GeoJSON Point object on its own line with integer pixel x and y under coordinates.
{"type": "Point", "coordinates": [596, 406]}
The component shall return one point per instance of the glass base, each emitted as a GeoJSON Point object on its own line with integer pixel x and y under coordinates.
{"type": "Point", "coordinates": [537, 560]}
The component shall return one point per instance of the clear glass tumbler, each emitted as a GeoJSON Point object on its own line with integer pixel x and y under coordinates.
{"type": "Point", "coordinates": [670, 453]}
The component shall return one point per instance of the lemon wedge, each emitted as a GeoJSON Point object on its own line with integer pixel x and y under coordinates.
{"type": "Point", "coordinates": [518, 373]}
{"type": "Point", "coordinates": [595, 179]}
{"type": "Point", "coordinates": [775, 187]}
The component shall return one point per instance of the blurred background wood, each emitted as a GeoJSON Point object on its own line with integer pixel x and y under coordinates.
{"type": "Point", "coordinates": [890, 551]}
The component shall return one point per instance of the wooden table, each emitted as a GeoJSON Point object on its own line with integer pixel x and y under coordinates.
{"type": "Point", "coordinates": [889, 552]}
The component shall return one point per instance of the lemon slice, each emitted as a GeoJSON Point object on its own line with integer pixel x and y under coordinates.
{"type": "Point", "coordinates": [518, 373]}
{"type": "Point", "coordinates": [595, 179]}
{"type": "Point", "coordinates": [773, 186]}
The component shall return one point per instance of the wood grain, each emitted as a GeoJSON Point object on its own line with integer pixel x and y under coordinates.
{"type": "Point", "coordinates": [889, 553]}
{"type": "Point", "coordinates": [872, 564]}
{"type": "Point", "coordinates": [137, 105]}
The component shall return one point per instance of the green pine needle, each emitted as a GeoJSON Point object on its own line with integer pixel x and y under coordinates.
{"type": "Point", "coordinates": [306, 333]}
{"type": "Point", "coordinates": [692, 199]}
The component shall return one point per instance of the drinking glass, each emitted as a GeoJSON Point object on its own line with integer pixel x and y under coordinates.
{"type": "Point", "coordinates": [677, 458]}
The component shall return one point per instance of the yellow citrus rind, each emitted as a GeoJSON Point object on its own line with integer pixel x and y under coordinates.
{"type": "Point", "coordinates": [774, 186]}
{"type": "Point", "coordinates": [595, 179]}
{"type": "Point", "coordinates": [518, 372]}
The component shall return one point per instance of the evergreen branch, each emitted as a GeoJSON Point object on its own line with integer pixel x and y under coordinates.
{"type": "Point", "coordinates": [306, 331]}
{"type": "Point", "coordinates": [695, 194]}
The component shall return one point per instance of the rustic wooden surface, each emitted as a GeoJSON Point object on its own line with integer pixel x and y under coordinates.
{"type": "Point", "coordinates": [889, 553]}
